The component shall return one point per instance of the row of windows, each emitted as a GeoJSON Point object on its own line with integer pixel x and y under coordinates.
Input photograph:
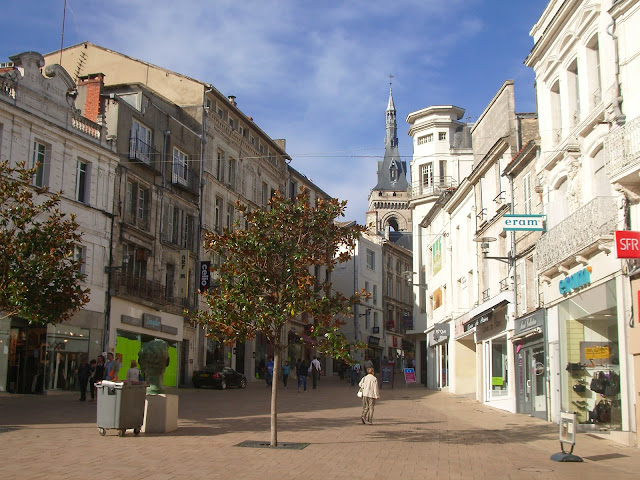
{"type": "Point", "coordinates": [428, 138]}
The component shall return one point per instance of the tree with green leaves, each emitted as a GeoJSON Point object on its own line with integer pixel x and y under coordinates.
{"type": "Point", "coordinates": [266, 278]}
{"type": "Point", "coordinates": [39, 276]}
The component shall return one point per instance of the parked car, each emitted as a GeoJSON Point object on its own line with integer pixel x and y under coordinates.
{"type": "Point", "coordinates": [218, 376]}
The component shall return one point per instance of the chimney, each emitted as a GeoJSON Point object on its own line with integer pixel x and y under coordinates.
{"type": "Point", "coordinates": [232, 99]}
{"type": "Point", "coordinates": [93, 85]}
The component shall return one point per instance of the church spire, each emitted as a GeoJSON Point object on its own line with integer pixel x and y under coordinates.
{"type": "Point", "coordinates": [391, 139]}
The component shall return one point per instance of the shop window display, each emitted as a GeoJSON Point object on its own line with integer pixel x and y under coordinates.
{"type": "Point", "coordinates": [591, 383]}
{"type": "Point", "coordinates": [496, 357]}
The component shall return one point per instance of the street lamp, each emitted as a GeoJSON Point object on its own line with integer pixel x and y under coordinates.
{"type": "Point", "coordinates": [484, 247]}
{"type": "Point", "coordinates": [408, 275]}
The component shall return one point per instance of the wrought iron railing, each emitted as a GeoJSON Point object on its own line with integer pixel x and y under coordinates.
{"type": "Point", "coordinates": [142, 151]}
{"type": "Point", "coordinates": [622, 149]}
{"type": "Point", "coordinates": [124, 283]}
{"type": "Point", "coordinates": [185, 176]}
{"type": "Point", "coordinates": [582, 228]}
{"type": "Point", "coordinates": [485, 295]}
{"type": "Point", "coordinates": [7, 87]}
{"type": "Point", "coordinates": [433, 187]}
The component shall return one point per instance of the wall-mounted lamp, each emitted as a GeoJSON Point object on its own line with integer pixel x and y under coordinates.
{"type": "Point", "coordinates": [409, 276]}
{"type": "Point", "coordinates": [125, 264]}
{"type": "Point", "coordinates": [484, 247]}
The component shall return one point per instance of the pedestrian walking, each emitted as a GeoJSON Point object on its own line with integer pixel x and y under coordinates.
{"type": "Point", "coordinates": [302, 372]}
{"type": "Point", "coordinates": [98, 374]}
{"type": "Point", "coordinates": [83, 372]}
{"type": "Point", "coordinates": [133, 374]}
{"type": "Point", "coordinates": [355, 373]}
{"type": "Point", "coordinates": [366, 365]}
{"type": "Point", "coordinates": [286, 371]}
{"type": "Point", "coordinates": [92, 381]}
{"type": "Point", "coordinates": [370, 392]}
{"type": "Point", "coordinates": [315, 370]}
{"type": "Point", "coordinates": [269, 372]}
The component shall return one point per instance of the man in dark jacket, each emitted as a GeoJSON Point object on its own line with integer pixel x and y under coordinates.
{"type": "Point", "coordinates": [84, 372]}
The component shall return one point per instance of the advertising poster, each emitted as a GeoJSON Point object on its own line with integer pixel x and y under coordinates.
{"type": "Point", "coordinates": [410, 375]}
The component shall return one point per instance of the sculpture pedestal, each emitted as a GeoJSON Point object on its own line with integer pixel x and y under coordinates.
{"type": "Point", "coordinates": [160, 413]}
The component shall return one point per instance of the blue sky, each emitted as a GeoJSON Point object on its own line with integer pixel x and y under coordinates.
{"type": "Point", "coordinates": [313, 72]}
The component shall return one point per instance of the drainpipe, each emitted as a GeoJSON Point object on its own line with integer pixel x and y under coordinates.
{"type": "Point", "coordinates": [619, 118]}
{"type": "Point", "coordinates": [166, 134]}
{"type": "Point", "coordinates": [203, 143]}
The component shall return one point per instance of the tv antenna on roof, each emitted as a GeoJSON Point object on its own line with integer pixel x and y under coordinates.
{"type": "Point", "coordinates": [64, 13]}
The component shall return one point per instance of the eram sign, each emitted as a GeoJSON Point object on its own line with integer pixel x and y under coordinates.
{"type": "Point", "coordinates": [524, 222]}
{"type": "Point", "coordinates": [627, 244]}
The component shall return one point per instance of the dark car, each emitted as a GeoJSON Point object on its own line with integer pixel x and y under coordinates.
{"type": "Point", "coordinates": [218, 376]}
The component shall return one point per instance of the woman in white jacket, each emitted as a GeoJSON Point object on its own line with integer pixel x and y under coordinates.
{"type": "Point", "coordinates": [369, 386]}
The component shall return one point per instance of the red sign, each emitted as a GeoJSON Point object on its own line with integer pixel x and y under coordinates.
{"type": "Point", "coordinates": [627, 244]}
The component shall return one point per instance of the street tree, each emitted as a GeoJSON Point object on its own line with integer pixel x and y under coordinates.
{"type": "Point", "coordinates": [39, 276]}
{"type": "Point", "coordinates": [266, 278]}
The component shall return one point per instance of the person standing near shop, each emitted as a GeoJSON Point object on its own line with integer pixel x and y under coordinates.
{"type": "Point", "coordinates": [83, 372]}
{"type": "Point", "coordinates": [302, 373]}
{"type": "Point", "coordinates": [98, 374]}
{"type": "Point", "coordinates": [133, 374]}
{"type": "Point", "coordinates": [370, 393]}
{"type": "Point", "coordinates": [366, 365]}
{"type": "Point", "coordinates": [355, 373]}
{"type": "Point", "coordinates": [269, 372]}
{"type": "Point", "coordinates": [111, 369]}
{"type": "Point", "coordinates": [315, 369]}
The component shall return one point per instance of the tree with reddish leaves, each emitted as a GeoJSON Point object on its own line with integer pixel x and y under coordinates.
{"type": "Point", "coordinates": [266, 278]}
{"type": "Point", "coordinates": [39, 276]}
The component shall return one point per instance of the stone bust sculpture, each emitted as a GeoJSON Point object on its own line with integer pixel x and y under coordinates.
{"type": "Point", "coordinates": [153, 359]}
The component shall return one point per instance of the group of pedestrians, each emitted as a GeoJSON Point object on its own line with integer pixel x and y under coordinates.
{"type": "Point", "coordinates": [99, 369]}
{"type": "Point", "coordinates": [302, 371]}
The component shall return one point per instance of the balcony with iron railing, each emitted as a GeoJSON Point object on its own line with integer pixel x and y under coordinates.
{"type": "Point", "coordinates": [622, 151]}
{"type": "Point", "coordinates": [131, 285]}
{"type": "Point", "coordinates": [142, 152]}
{"type": "Point", "coordinates": [185, 177]}
{"type": "Point", "coordinates": [584, 230]}
{"type": "Point", "coordinates": [433, 188]}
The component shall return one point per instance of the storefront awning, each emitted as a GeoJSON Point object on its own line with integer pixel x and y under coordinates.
{"type": "Point", "coordinates": [483, 314]}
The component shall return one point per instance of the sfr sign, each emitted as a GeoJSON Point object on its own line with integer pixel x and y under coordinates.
{"type": "Point", "coordinates": [627, 244]}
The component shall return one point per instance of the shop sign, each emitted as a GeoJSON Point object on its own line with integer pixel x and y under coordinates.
{"type": "Point", "coordinates": [627, 244]}
{"type": "Point", "coordinates": [374, 341]}
{"type": "Point", "coordinates": [592, 353]}
{"type": "Point", "coordinates": [410, 375]}
{"type": "Point", "coordinates": [152, 322]}
{"type": "Point", "coordinates": [530, 322]}
{"type": "Point", "coordinates": [474, 322]}
{"type": "Point", "coordinates": [375, 329]}
{"type": "Point", "coordinates": [575, 281]}
{"type": "Point", "coordinates": [205, 277]}
{"type": "Point", "coordinates": [183, 284]}
{"type": "Point", "coordinates": [407, 320]}
{"type": "Point", "coordinates": [529, 223]}
{"type": "Point", "coordinates": [441, 332]}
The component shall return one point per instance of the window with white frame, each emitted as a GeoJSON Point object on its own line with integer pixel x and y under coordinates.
{"type": "Point", "coordinates": [137, 203]}
{"type": "Point", "coordinates": [231, 173]}
{"type": "Point", "coordinates": [389, 285]}
{"type": "Point", "coordinates": [80, 255]}
{"type": "Point", "coordinates": [371, 259]}
{"type": "Point", "coordinates": [40, 161]}
{"type": "Point", "coordinates": [442, 136]}
{"type": "Point", "coordinates": [232, 123]}
{"type": "Point", "coordinates": [180, 227]}
{"type": "Point", "coordinates": [260, 147]}
{"type": "Point", "coordinates": [252, 140]}
{"type": "Point", "coordinates": [217, 221]}
{"type": "Point", "coordinates": [230, 214]}
{"type": "Point", "coordinates": [220, 166]}
{"type": "Point", "coordinates": [140, 142]}
{"type": "Point", "coordinates": [180, 171]}
{"type": "Point", "coordinates": [573, 90]}
{"type": "Point", "coordinates": [593, 71]}
{"type": "Point", "coordinates": [425, 139]}
{"type": "Point", "coordinates": [82, 181]}
{"type": "Point", "coordinates": [375, 320]}
{"type": "Point", "coordinates": [426, 175]}
{"type": "Point", "coordinates": [526, 194]}
{"type": "Point", "coordinates": [265, 194]}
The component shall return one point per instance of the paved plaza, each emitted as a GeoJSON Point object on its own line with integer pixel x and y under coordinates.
{"type": "Point", "coordinates": [417, 434]}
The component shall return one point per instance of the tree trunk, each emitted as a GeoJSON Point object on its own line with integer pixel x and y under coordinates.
{"type": "Point", "coordinates": [274, 396]}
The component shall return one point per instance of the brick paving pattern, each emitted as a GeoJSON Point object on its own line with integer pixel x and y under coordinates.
{"type": "Point", "coordinates": [417, 434]}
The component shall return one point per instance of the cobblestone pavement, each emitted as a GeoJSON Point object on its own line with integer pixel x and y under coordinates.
{"type": "Point", "coordinates": [417, 434]}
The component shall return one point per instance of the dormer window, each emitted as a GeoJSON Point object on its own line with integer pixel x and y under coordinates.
{"type": "Point", "coordinates": [393, 172]}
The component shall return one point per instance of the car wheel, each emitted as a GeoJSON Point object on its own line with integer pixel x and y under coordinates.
{"type": "Point", "coordinates": [243, 383]}
{"type": "Point", "coordinates": [223, 384]}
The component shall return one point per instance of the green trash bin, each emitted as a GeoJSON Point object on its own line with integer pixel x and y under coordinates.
{"type": "Point", "coordinates": [120, 406]}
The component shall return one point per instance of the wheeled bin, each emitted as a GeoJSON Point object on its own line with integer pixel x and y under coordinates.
{"type": "Point", "coordinates": [121, 406]}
